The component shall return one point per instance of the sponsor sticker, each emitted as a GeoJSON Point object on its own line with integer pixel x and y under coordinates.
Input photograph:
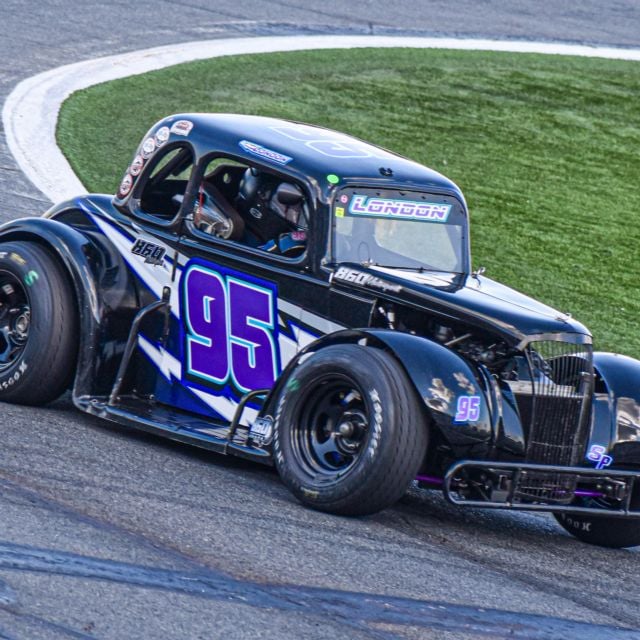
{"type": "Point", "coordinates": [366, 279]}
{"type": "Point", "coordinates": [182, 127]}
{"type": "Point", "coordinates": [136, 165]}
{"type": "Point", "coordinates": [598, 454]}
{"type": "Point", "coordinates": [344, 198]}
{"type": "Point", "coordinates": [261, 431]}
{"type": "Point", "coordinates": [125, 185]}
{"type": "Point", "coordinates": [401, 209]}
{"type": "Point", "coordinates": [263, 152]}
{"type": "Point", "coordinates": [148, 147]}
{"type": "Point", "coordinates": [339, 212]}
{"type": "Point", "coordinates": [152, 253]}
{"type": "Point", "coordinates": [162, 135]}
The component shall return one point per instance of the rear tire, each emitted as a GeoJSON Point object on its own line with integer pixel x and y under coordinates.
{"type": "Point", "coordinates": [615, 533]}
{"type": "Point", "coordinates": [38, 325]}
{"type": "Point", "coordinates": [350, 431]}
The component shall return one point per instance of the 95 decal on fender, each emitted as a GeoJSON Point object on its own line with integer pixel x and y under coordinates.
{"type": "Point", "coordinates": [468, 409]}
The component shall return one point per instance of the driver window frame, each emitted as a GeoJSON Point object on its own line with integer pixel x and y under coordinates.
{"type": "Point", "coordinates": [197, 177]}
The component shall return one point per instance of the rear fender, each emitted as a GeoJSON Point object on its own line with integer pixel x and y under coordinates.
{"type": "Point", "coordinates": [615, 416]}
{"type": "Point", "coordinates": [453, 393]}
{"type": "Point", "coordinates": [105, 295]}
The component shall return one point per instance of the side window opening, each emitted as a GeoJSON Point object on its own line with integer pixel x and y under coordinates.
{"type": "Point", "coordinates": [164, 189]}
{"type": "Point", "coordinates": [252, 207]}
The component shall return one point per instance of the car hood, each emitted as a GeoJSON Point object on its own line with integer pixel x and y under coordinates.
{"type": "Point", "coordinates": [465, 298]}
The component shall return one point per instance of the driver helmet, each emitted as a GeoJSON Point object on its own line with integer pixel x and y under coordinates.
{"type": "Point", "coordinates": [273, 206]}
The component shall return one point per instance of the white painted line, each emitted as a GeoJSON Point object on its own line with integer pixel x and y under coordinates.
{"type": "Point", "coordinates": [30, 113]}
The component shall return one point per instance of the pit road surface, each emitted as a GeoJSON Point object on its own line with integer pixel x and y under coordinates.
{"type": "Point", "coordinates": [111, 534]}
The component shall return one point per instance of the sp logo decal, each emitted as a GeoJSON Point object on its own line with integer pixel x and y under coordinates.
{"type": "Point", "coordinates": [598, 454]}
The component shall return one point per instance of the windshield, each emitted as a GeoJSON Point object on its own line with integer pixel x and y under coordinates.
{"type": "Point", "coordinates": [405, 229]}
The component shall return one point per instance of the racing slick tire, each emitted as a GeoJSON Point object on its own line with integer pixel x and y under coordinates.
{"type": "Point", "coordinates": [350, 431]}
{"type": "Point", "coordinates": [38, 325]}
{"type": "Point", "coordinates": [615, 533]}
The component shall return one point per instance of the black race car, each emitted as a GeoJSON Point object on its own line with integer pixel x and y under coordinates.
{"type": "Point", "coordinates": [296, 296]}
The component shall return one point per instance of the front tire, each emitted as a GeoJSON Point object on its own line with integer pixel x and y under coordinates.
{"type": "Point", "coordinates": [350, 431]}
{"type": "Point", "coordinates": [38, 325]}
{"type": "Point", "coordinates": [615, 533]}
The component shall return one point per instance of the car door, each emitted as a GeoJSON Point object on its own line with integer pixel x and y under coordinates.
{"type": "Point", "coordinates": [243, 312]}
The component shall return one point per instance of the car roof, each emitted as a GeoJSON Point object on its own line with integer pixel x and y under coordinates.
{"type": "Point", "coordinates": [309, 150]}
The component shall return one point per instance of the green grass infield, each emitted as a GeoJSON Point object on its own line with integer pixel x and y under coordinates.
{"type": "Point", "coordinates": [546, 149]}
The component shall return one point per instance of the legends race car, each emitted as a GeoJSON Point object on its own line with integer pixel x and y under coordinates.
{"type": "Point", "coordinates": [296, 296]}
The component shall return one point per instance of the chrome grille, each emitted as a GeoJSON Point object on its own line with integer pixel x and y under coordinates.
{"type": "Point", "coordinates": [555, 414]}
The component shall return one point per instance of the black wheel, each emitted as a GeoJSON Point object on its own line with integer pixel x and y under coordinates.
{"type": "Point", "coordinates": [38, 325]}
{"type": "Point", "coordinates": [350, 431]}
{"type": "Point", "coordinates": [616, 533]}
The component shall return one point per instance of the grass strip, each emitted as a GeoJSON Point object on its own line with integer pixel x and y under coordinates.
{"type": "Point", "coordinates": [546, 149]}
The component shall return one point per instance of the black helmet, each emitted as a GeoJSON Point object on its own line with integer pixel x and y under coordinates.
{"type": "Point", "coordinates": [271, 207]}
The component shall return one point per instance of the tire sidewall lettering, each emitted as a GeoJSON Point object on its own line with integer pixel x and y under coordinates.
{"type": "Point", "coordinates": [18, 370]}
{"type": "Point", "coordinates": [277, 449]}
{"type": "Point", "coordinates": [376, 423]}
{"type": "Point", "coordinates": [44, 367]}
{"type": "Point", "coordinates": [580, 524]}
{"type": "Point", "coordinates": [29, 277]}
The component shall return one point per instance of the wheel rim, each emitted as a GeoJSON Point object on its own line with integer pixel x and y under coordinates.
{"type": "Point", "coordinates": [15, 320]}
{"type": "Point", "coordinates": [331, 431]}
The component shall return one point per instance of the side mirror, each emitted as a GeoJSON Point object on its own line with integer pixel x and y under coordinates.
{"type": "Point", "coordinates": [289, 194]}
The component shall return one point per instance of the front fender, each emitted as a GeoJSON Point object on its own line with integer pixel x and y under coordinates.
{"type": "Point", "coordinates": [451, 390]}
{"type": "Point", "coordinates": [446, 383]}
{"type": "Point", "coordinates": [615, 423]}
{"type": "Point", "coordinates": [101, 286]}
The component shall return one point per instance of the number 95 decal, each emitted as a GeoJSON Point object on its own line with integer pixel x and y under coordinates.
{"type": "Point", "coordinates": [468, 409]}
{"type": "Point", "coordinates": [230, 329]}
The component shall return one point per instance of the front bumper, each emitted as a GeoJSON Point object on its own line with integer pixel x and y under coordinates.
{"type": "Point", "coordinates": [537, 487]}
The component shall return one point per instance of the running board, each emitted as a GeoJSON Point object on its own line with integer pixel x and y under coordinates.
{"type": "Point", "coordinates": [178, 425]}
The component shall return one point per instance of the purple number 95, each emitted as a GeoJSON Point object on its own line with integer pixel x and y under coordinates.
{"type": "Point", "coordinates": [230, 330]}
{"type": "Point", "coordinates": [468, 409]}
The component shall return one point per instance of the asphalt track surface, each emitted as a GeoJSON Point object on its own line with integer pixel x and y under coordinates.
{"type": "Point", "coordinates": [106, 533]}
